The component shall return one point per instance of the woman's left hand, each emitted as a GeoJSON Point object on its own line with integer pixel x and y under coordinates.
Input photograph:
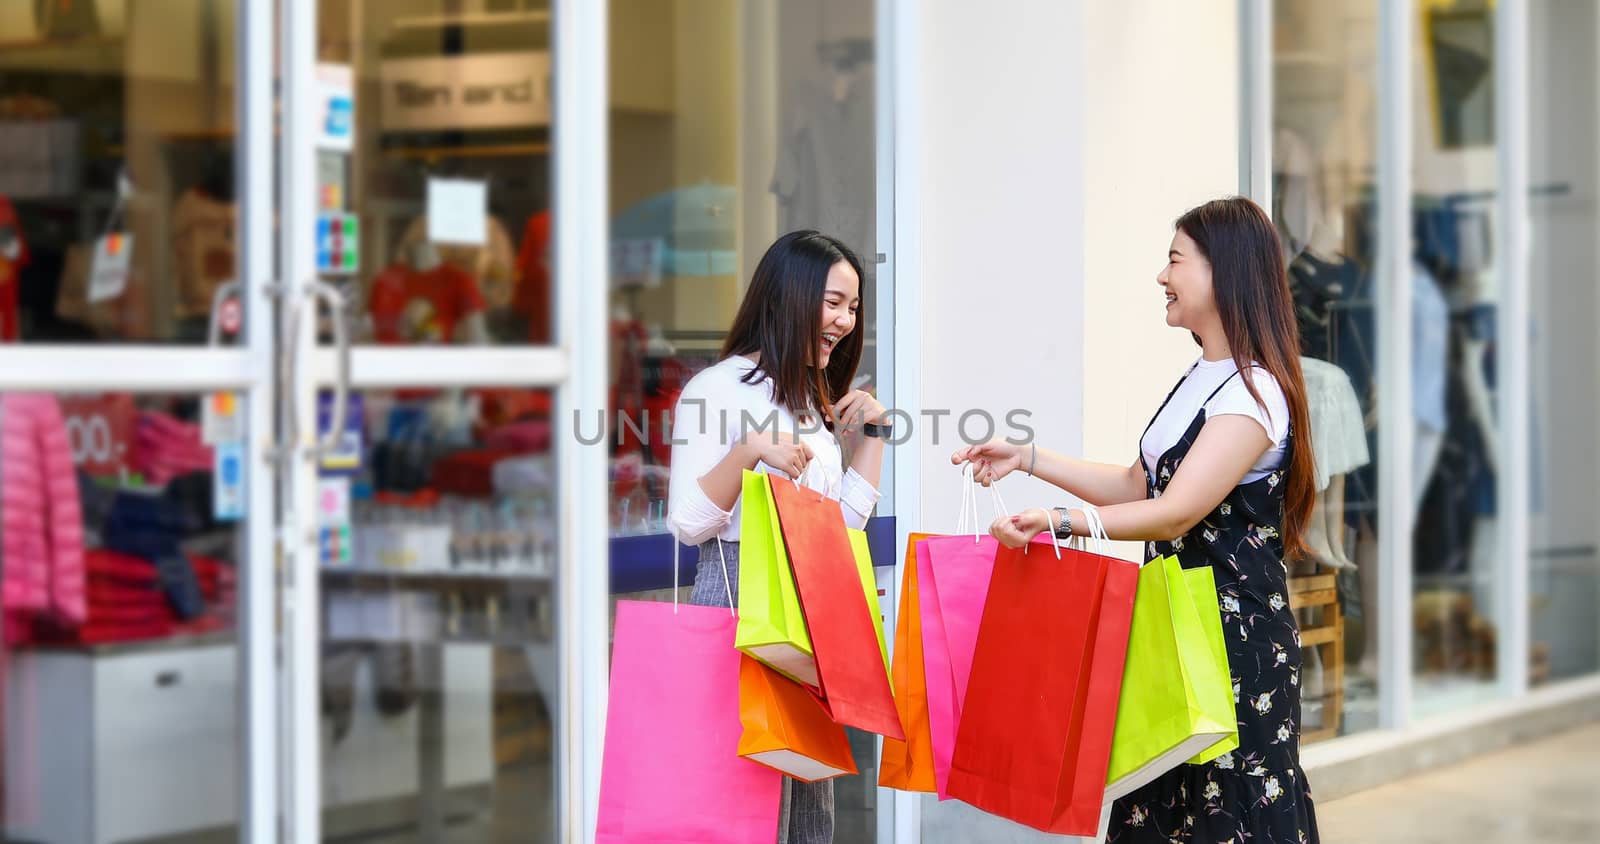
{"type": "Point", "coordinates": [1017, 531]}
{"type": "Point", "coordinates": [857, 408]}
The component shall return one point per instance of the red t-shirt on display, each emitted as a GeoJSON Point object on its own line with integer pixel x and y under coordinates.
{"type": "Point", "coordinates": [408, 306]}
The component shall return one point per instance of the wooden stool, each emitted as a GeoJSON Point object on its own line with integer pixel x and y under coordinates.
{"type": "Point", "coordinates": [1320, 593]}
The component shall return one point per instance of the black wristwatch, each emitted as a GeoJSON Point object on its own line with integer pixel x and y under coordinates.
{"type": "Point", "coordinates": [875, 430]}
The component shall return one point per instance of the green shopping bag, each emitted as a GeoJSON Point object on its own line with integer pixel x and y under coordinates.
{"type": "Point", "coordinates": [772, 629]}
{"type": "Point", "coordinates": [1177, 692]}
{"type": "Point", "coordinates": [869, 584]}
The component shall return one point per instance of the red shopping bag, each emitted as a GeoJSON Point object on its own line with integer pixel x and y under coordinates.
{"type": "Point", "coordinates": [1034, 739]}
{"type": "Point", "coordinates": [850, 665]}
{"type": "Point", "coordinates": [671, 770]}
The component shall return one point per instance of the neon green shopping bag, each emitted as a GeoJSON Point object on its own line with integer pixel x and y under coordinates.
{"type": "Point", "coordinates": [1177, 692]}
{"type": "Point", "coordinates": [869, 584]}
{"type": "Point", "coordinates": [772, 629]}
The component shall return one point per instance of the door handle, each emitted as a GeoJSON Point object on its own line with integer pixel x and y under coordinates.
{"type": "Point", "coordinates": [318, 291]}
{"type": "Point", "coordinates": [339, 413]}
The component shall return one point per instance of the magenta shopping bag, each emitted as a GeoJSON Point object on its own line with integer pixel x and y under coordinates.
{"type": "Point", "coordinates": [672, 771]}
{"type": "Point", "coordinates": [962, 565]}
{"type": "Point", "coordinates": [953, 575]}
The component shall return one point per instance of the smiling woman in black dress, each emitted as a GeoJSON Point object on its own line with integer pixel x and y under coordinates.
{"type": "Point", "coordinates": [1224, 479]}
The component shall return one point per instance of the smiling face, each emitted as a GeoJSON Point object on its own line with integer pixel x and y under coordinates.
{"type": "Point", "coordinates": [841, 299]}
{"type": "Point", "coordinates": [1186, 280]}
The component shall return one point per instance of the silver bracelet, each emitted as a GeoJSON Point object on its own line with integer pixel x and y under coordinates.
{"type": "Point", "coordinates": [1033, 458]}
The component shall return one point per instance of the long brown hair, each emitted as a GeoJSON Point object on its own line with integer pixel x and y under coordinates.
{"type": "Point", "coordinates": [1251, 290]}
{"type": "Point", "coordinates": [781, 318]}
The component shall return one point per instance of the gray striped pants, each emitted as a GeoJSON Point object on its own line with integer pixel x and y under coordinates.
{"type": "Point", "coordinates": [807, 813]}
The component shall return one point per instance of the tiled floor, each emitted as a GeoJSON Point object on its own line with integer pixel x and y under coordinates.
{"type": "Point", "coordinates": [1546, 791]}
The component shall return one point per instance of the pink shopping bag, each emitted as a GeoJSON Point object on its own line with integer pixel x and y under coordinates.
{"type": "Point", "coordinates": [672, 771]}
{"type": "Point", "coordinates": [962, 565]}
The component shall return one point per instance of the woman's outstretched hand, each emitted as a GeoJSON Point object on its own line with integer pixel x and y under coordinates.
{"type": "Point", "coordinates": [992, 460]}
{"type": "Point", "coordinates": [1020, 529]}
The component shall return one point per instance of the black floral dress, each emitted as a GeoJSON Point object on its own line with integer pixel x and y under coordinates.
{"type": "Point", "coordinates": [1258, 793]}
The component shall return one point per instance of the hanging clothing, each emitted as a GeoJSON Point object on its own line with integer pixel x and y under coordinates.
{"type": "Point", "coordinates": [493, 265]}
{"type": "Point", "coordinates": [532, 300]}
{"type": "Point", "coordinates": [409, 306]}
{"type": "Point", "coordinates": [41, 524]}
{"type": "Point", "coordinates": [203, 232]}
{"type": "Point", "coordinates": [825, 177]}
{"type": "Point", "coordinates": [1338, 432]}
{"type": "Point", "coordinates": [1259, 792]}
{"type": "Point", "coordinates": [13, 257]}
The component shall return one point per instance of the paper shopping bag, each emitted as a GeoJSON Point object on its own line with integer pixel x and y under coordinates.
{"type": "Point", "coordinates": [843, 637]}
{"type": "Point", "coordinates": [869, 587]}
{"type": "Point", "coordinates": [1177, 699]}
{"type": "Point", "coordinates": [787, 728]}
{"type": "Point", "coordinates": [1202, 586]}
{"type": "Point", "coordinates": [908, 765]}
{"type": "Point", "coordinates": [772, 627]}
{"type": "Point", "coordinates": [962, 566]}
{"type": "Point", "coordinates": [1035, 730]}
{"type": "Point", "coordinates": [671, 770]}
{"type": "Point", "coordinates": [938, 677]}
{"type": "Point", "coordinates": [956, 586]}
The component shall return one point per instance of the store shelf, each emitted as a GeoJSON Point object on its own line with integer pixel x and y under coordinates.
{"type": "Point", "coordinates": [521, 582]}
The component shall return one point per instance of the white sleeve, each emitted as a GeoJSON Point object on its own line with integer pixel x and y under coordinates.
{"type": "Point", "coordinates": [699, 442]}
{"type": "Point", "coordinates": [857, 498]}
{"type": "Point", "coordinates": [1235, 400]}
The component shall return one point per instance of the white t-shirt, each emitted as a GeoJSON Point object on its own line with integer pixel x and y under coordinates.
{"type": "Point", "coordinates": [1233, 400]}
{"type": "Point", "coordinates": [716, 410]}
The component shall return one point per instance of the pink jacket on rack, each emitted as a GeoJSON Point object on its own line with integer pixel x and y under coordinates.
{"type": "Point", "coordinates": [41, 522]}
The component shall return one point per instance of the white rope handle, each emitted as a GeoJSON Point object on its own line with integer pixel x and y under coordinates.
{"type": "Point", "coordinates": [727, 582]}
{"type": "Point", "coordinates": [968, 517]}
{"type": "Point", "coordinates": [1050, 528]}
{"type": "Point", "coordinates": [1097, 531]}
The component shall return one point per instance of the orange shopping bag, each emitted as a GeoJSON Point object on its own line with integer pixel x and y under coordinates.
{"type": "Point", "coordinates": [787, 729]}
{"type": "Point", "coordinates": [908, 765]}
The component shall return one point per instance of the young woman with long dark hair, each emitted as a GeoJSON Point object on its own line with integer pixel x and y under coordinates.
{"type": "Point", "coordinates": [1224, 479]}
{"type": "Point", "coordinates": [779, 400]}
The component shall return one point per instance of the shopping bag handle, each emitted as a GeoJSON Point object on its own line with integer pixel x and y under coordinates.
{"type": "Point", "coordinates": [968, 517]}
{"type": "Point", "coordinates": [1097, 531]}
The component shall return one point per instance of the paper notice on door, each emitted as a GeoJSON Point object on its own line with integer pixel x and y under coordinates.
{"type": "Point", "coordinates": [108, 270]}
{"type": "Point", "coordinates": [458, 211]}
{"type": "Point", "coordinates": [220, 419]}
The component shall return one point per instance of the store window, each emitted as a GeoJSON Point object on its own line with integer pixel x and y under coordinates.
{"type": "Point", "coordinates": [117, 208]}
{"type": "Point", "coordinates": [121, 585]}
{"type": "Point", "coordinates": [731, 123]}
{"type": "Point", "coordinates": [1324, 138]}
{"type": "Point", "coordinates": [1564, 168]}
{"type": "Point", "coordinates": [1455, 301]}
{"type": "Point", "coordinates": [433, 184]}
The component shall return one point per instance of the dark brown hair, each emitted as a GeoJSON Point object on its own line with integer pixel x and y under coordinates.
{"type": "Point", "coordinates": [781, 318]}
{"type": "Point", "coordinates": [1252, 295]}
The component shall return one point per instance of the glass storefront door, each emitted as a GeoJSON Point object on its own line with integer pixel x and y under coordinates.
{"type": "Point", "coordinates": [424, 672]}
{"type": "Point", "coordinates": [136, 409]}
